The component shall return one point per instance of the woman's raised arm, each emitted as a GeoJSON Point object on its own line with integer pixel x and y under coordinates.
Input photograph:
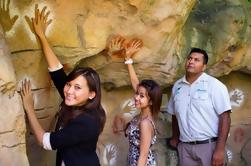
{"type": "Point", "coordinates": [118, 46]}
{"type": "Point", "coordinates": [40, 24]}
{"type": "Point", "coordinates": [131, 48]}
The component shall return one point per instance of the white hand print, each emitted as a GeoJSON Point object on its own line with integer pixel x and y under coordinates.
{"type": "Point", "coordinates": [236, 97]}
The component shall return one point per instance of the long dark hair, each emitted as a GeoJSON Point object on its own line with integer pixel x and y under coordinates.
{"type": "Point", "coordinates": [67, 113]}
{"type": "Point", "coordinates": [155, 94]}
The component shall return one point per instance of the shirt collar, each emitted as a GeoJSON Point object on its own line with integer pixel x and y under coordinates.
{"type": "Point", "coordinates": [202, 77]}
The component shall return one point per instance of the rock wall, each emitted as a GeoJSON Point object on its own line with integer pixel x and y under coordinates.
{"type": "Point", "coordinates": [79, 34]}
{"type": "Point", "coordinates": [238, 145]}
{"type": "Point", "coordinates": [12, 122]}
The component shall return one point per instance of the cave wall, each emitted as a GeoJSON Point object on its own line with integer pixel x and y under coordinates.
{"type": "Point", "coordinates": [79, 34]}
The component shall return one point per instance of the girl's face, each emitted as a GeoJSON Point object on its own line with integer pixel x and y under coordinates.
{"type": "Point", "coordinates": [142, 100]}
{"type": "Point", "coordinates": [77, 92]}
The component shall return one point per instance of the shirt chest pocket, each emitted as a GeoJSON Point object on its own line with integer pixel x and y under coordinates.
{"type": "Point", "coordinates": [200, 96]}
{"type": "Point", "coordinates": [178, 97]}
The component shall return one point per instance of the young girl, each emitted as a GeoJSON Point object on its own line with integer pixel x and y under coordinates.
{"type": "Point", "coordinates": [81, 117]}
{"type": "Point", "coordinates": [141, 130]}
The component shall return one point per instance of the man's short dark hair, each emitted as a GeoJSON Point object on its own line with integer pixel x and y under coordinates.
{"type": "Point", "coordinates": [198, 50]}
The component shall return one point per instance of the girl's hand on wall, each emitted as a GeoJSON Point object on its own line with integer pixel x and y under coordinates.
{"type": "Point", "coordinates": [133, 47]}
{"type": "Point", "coordinates": [40, 22]}
{"type": "Point", "coordinates": [27, 98]}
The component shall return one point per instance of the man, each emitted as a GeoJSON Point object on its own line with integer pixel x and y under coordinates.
{"type": "Point", "coordinates": [200, 109]}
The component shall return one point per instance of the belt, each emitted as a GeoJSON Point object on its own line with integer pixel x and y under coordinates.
{"type": "Point", "coordinates": [202, 142]}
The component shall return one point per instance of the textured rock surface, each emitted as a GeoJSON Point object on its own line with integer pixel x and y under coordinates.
{"type": "Point", "coordinates": [79, 35]}
{"type": "Point", "coordinates": [12, 123]}
{"type": "Point", "coordinates": [239, 139]}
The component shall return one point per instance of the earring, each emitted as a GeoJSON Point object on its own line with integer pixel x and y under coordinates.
{"type": "Point", "coordinates": [90, 98]}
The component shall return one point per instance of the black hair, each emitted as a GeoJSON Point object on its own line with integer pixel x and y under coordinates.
{"type": "Point", "coordinates": [198, 50]}
{"type": "Point", "coordinates": [154, 92]}
{"type": "Point", "coordinates": [67, 113]}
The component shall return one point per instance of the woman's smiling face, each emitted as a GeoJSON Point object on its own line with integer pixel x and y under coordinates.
{"type": "Point", "coordinates": [141, 98]}
{"type": "Point", "coordinates": [77, 92]}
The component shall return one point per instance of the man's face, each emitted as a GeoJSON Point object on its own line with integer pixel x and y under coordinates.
{"type": "Point", "coordinates": [195, 63]}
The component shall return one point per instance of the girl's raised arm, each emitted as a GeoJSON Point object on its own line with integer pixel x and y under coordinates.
{"type": "Point", "coordinates": [40, 24]}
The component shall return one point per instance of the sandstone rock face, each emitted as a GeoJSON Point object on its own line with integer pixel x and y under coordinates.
{"type": "Point", "coordinates": [12, 123]}
{"type": "Point", "coordinates": [238, 145]}
{"type": "Point", "coordinates": [79, 34]}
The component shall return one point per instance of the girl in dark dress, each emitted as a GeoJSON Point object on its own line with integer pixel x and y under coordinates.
{"type": "Point", "coordinates": [81, 116]}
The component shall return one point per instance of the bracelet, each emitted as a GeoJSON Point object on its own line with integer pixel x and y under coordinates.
{"type": "Point", "coordinates": [129, 61]}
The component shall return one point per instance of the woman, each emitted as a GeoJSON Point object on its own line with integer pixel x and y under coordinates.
{"type": "Point", "coordinates": [81, 116]}
{"type": "Point", "coordinates": [141, 130]}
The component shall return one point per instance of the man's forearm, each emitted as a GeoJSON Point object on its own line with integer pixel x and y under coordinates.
{"type": "Point", "coordinates": [223, 130]}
